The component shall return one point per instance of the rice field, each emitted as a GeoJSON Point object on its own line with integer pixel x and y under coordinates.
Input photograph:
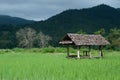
{"type": "Point", "coordinates": [38, 66]}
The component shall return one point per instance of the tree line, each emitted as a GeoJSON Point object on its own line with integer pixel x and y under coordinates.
{"type": "Point", "coordinates": [26, 37]}
{"type": "Point", "coordinates": [12, 36]}
{"type": "Point", "coordinates": [113, 37]}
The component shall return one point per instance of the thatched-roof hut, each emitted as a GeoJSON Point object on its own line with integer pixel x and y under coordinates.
{"type": "Point", "coordinates": [84, 40]}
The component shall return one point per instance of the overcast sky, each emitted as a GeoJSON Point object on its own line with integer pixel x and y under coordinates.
{"type": "Point", "coordinates": [43, 9]}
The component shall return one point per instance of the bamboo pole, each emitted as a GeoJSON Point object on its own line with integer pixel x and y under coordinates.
{"type": "Point", "coordinates": [78, 52]}
{"type": "Point", "coordinates": [90, 51]}
{"type": "Point", "coordinates": [100, 51]}
{"type": "Point", "coordinates": [68, 51]}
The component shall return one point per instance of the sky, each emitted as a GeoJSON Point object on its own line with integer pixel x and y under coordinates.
{"type": "Point", "coordinates": [43, 9]}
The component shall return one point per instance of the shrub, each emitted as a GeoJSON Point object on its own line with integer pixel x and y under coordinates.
{"type": "Point", "coordinates": [3, 51]}
{"type": "Point", "coordinates": [60, 50]}
{"type": "Point", "coordinates": [36, 50]}
{"type": "Point", "coordinates": [48, 50]}
{"type": "Point", "coordinates": [18, 49]}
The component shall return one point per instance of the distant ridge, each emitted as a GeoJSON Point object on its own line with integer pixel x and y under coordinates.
{"type": "Point", "coordinates": [5, 20]}
{"type": "Point", "coordinates": [103, 6]}
{"type": "Point", "coordinates": [73, 20]}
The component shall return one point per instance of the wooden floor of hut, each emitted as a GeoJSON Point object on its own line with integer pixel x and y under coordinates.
{"type": "Point", "coordinates": [82, 57]}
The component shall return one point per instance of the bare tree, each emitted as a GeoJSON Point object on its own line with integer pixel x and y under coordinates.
{"type": "Point", "coordinates": [43, 39]}
{"type": "Point", "coordinates": [26, 37]}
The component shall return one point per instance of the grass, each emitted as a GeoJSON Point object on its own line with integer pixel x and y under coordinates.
{"type": "Point", "coordinates": [26, 65]}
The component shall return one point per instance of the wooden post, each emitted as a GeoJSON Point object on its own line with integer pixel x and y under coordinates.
{"type": "Point", "coordinates": [68, 51]}
{"type": "Point", "coordinates": [100, 51]}
{"type": "Point", "coordinates": [78, 52]}
{"type": "Point", "coordinates": [90, 51]}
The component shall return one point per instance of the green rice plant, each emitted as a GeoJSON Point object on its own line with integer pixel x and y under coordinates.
{"type": "Point", "coordinates": [31, 66]}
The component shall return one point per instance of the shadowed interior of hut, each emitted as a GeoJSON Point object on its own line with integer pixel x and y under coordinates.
{"type": "Point", "coordinates": [84, 52]}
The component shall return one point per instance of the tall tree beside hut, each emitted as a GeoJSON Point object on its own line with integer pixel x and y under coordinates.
{"type": "Point", "coordinates": [114, 38]}
{"type": "Point", "coordinates": [101, 32]}
{"type": "Point", "coordinates": [81, 32]}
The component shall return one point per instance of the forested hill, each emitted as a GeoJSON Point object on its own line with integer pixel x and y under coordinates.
{"type": "Point", "coordinates": [8, 20]}
{"type": "Point", "coordinates": [69, 21]}
{"type": "Point", "coordinates": [8, 27]}
{"type": "Point", "coordinates": [73, 20]}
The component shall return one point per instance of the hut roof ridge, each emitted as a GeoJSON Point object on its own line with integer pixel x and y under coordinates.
{"type": "Point", "coordinates": [86, 39]}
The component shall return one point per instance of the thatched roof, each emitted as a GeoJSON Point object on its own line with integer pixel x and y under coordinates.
{"type": "Point", "coordinates": [84, 39]}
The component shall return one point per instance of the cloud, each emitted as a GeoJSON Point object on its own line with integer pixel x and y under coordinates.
{"type": "Point", "coordinates": [43, 9]}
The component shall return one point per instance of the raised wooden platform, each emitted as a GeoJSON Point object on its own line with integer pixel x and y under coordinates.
{"type": "Point", "coordinates": [82, 57]}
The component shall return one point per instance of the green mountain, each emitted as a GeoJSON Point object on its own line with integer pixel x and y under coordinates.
{"type": "Point", "coordinates": [7, 20]}
{"type": "Point", "coordinates": [73, 20]}
{"type": "Point", "coordinates": [69, 21]}
{"type": "Point", "coordinates": [8, 27]}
